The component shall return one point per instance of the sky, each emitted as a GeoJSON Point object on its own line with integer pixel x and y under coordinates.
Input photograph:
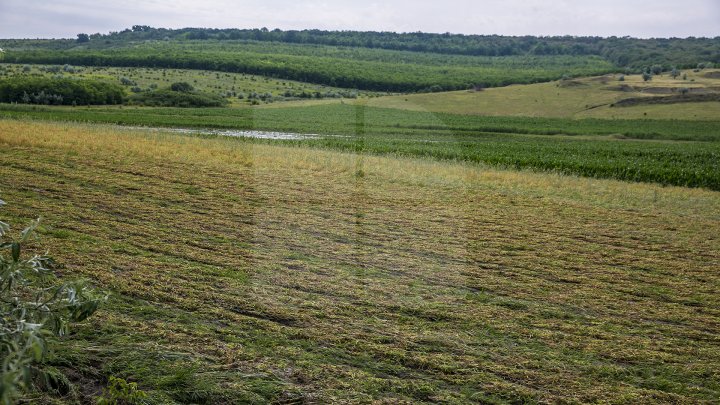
{"type": "Point", "coordinates": [637, 18]}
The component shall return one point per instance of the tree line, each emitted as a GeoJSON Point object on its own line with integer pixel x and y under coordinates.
{"type": "Point", "coordinates": [622, 51]}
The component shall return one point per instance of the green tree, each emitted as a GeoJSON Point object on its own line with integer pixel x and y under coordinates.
{"type": "Point", "coordinates": [647, 76]}
{"type": "Point", "coordinates": [82, 38]}
{"type": "Point", "coordinates": [675, 73]}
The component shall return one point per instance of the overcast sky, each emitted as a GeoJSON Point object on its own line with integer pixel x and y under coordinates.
{"type": "Point", "coordinates": [639, 18]}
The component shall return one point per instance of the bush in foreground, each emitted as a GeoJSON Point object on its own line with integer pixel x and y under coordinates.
{"type": "Point", "coordinates": [33, 309]}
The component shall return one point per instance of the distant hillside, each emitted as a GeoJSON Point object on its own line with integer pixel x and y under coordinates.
{"type": "Point", "coordinates": [689, 96]}
{"type": "Point", "coordinates": [623, 52]}
{"type": "Point", "coordinates": [382, 61]}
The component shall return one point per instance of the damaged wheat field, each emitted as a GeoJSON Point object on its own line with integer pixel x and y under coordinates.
{"type": "Point", "coordinates": [241, 271]}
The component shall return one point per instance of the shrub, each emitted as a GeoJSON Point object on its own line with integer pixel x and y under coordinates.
{"type": "Point", "coordinates": [33, 308]}
{"type": "Point", "coordinates": [120, 391]}
{"type": "Point", "coordinates": [170, 98]}
{"type": "Point", "coordinates": [183, 87]}
{"type": "Point", "coordinates": [43, 90]}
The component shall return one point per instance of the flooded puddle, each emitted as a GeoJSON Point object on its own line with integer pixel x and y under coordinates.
{"type": "Point", "coordinates": [231, 132]}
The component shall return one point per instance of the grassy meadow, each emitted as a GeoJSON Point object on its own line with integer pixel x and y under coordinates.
{"type": "Point", "coordinates": [248, 272]}
{"type": "Point", "coordinates": [579, 98]}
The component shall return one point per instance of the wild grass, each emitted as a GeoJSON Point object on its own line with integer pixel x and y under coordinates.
{"type": "Point", "coordinates": [244, 272]}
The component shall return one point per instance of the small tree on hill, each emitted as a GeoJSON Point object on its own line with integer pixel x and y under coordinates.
{"type": "Point", "coordinates": [656, 69]}
{"type": "Point", "coordinates": [646, 76]}
{"type": "Point", "coordinates": [182, 87]}
{"type": "Point", "coordinates": [675, 73]}
{"type": "Point", "coordinates": [82, 38]}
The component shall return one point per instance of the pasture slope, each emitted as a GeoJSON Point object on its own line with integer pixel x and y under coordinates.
{"type": "Point", "coordinates": [590, 97]}
{"type": "Point", "coordinates": [245, 272]}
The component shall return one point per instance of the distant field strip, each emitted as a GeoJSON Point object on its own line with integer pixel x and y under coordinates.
{"type": "Point", "coordinates": [334, 119]}
{"type": "Point", "coordinates": [245, 272]}
{"type": "Point", "coordinates": [594, 149]}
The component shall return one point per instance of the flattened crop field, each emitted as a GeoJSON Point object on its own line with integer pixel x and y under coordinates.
{"type": "Point", "coordinates": [244, 272]}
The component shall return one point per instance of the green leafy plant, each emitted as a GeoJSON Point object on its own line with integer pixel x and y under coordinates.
{"type": "Point", "coordinates": [33, 308]}
{"type": "Point", "coordinates": [121, 392]}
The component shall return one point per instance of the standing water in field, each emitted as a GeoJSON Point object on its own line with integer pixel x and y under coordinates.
{"type": "Point", "coordinates": [230, 132]}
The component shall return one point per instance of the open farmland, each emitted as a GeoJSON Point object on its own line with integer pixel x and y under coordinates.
{"type": "Point", "coordinates": [243, 272]}
{"type": "Point", "coordinates": [684, 153]}
{"type": "Point", "coordinates": [260, 216]}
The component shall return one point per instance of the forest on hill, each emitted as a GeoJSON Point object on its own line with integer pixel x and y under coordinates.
{"type": "Point", "coordinates": [622, 51]}
{"type": "Point", "coordinates": [383, 61]}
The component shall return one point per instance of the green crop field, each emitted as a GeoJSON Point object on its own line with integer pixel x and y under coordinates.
{"type": "Point", "coordinates": [685, 153]}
